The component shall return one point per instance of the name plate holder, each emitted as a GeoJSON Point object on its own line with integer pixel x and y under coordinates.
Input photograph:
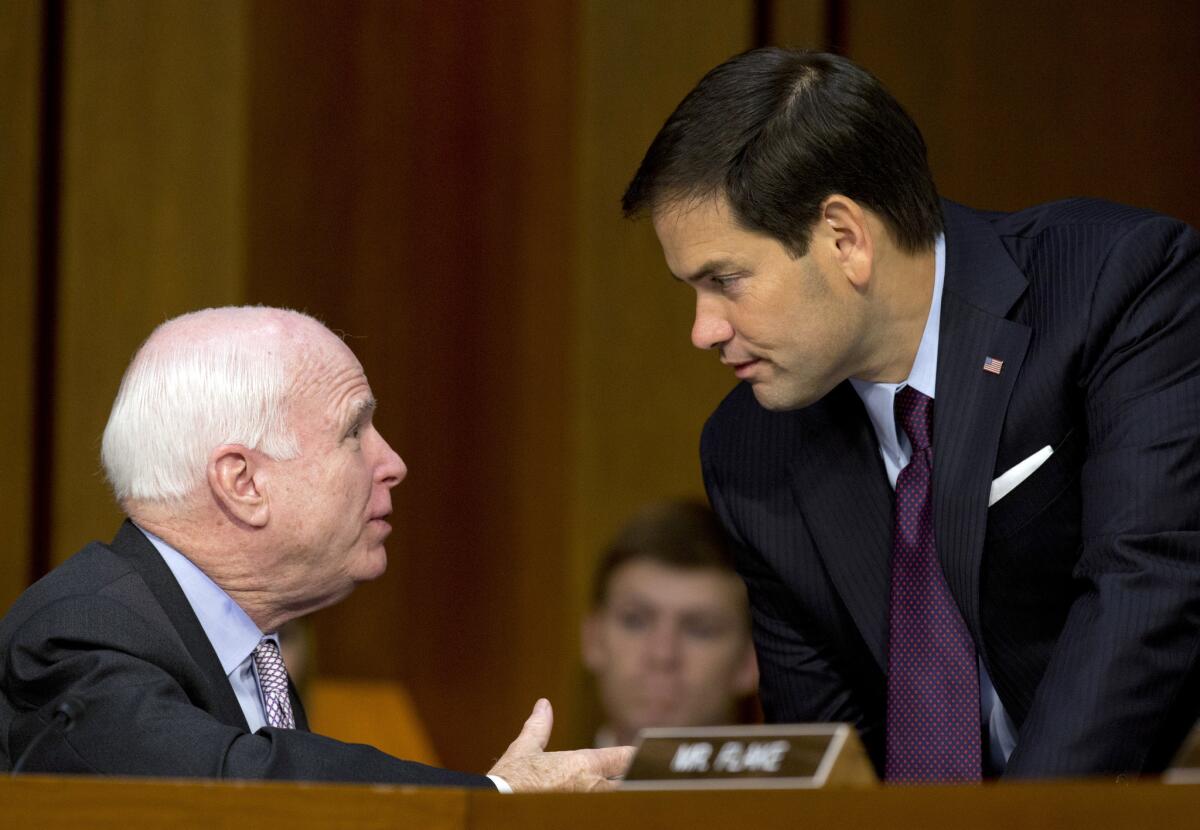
{"type": "Point", "coordinates": [777, 756]}
{"type": "Point", "coordinates": [1185, 769]}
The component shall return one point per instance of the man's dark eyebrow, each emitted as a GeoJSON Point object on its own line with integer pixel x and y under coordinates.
{"type": "Point", "coordinates": [713, 266]}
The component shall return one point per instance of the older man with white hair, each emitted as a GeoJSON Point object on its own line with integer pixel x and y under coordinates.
{"type": "Point", "coordinates": [242, 447]}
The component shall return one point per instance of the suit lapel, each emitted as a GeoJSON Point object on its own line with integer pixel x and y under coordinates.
{"type": "Point", "coordinates": [136, 548]}
{"type": "Point", "coordinates": [841, 488]}
{"type": "Point", "coordinates": [298, 713]}
{"type": "Point", "coordinates": [981, 286]}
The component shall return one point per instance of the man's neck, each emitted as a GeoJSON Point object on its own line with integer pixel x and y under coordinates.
{"type": "Point", "coordinates": [229, 564]}
{"type": "Point", "coordinates": [904, 300]}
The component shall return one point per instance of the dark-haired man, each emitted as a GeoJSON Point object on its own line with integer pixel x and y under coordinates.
{"type": "Point", "coordinates": [1012, 585]}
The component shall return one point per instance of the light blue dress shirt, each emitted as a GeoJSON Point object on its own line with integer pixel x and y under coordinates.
{"type": "Point", "coordinates": [879, 399]}
{"type": "Point", "coordinates": [232, 633]}
{"type": "Point", "coordinates": [230, 630]}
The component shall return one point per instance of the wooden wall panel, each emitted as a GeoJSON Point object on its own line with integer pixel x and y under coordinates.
{"type": "Point", "coordinates": [20, 80]}
{"type": "Point", "coordinates": [528, 97]}
{"type": "Point", "coordinates": [152, 210]}
{"type": "Point", "coordinates": [799, 24]}
{"type": "Point", "coordinates": [443, 184]}
{"type": "Point", "coordinates": [1022, 102]}
{"type": "Point", "coordinates": [640, 391]}
{"type": "Point", "coordinates": [410, 182]}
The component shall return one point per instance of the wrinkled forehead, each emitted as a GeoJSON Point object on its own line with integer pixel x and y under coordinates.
{"type": "Point", "coordinates": [325, 371]}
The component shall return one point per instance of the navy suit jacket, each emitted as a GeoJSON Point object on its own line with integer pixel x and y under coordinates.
{"type": "Point", "coordinates": [112, 628]}
{"type": "Point", "coordinates": [1081, 587]}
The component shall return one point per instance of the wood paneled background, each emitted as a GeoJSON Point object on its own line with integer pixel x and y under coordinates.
{"type": "Point", "coordinates": [441, 182]}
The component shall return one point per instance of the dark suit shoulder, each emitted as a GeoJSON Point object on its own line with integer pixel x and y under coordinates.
{"type": "Point", "coordinates": [1082, 224]}
{"type": "Point", "coordinates": [94, 600]}
{"type": "Point", "coordinates": [1085, 259]}
{"type": "Point", "coordinates": [733, 409]}
{"type": "Point", "coordinates": [740, 428]}
{"type": "Point", "coordinates": [748, 452]}
{"type": "Point", "coordinates": [1089, 258]}
{"type": "Point", "coordinates": [741, 431]}
{"type": "Point", "coordinates": [96, 629]}
{"type": "Point", "coordinates": [91, 571]}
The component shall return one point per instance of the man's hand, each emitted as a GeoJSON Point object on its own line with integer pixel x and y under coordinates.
{"type": "Point", "coordinates": [527, 767]}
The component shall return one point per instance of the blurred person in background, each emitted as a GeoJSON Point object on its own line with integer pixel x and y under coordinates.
{"type": "Point", "coordinates": [668, 636]}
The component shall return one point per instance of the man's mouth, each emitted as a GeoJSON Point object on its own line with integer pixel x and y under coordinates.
{"type": "Point", "coordinates": [744, 368]}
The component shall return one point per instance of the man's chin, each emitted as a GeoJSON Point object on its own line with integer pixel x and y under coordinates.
{"type": "Point", "coordinates": [372, 566]}
{"type": "Point", "coordinates": [776, 399]}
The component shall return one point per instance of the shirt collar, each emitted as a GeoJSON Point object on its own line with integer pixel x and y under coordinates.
{"type": "Point", "coordinates": [229, 628]}
{"type": "Point", "coordinates": [923, 375]}
{"type": "Point", "coordinates": [879, 398]}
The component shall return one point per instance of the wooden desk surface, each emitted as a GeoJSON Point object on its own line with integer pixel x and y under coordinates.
{"type": "Point", "coordinates": [131, 804]}
{"type": "Point", "coordinates": [54, 802]}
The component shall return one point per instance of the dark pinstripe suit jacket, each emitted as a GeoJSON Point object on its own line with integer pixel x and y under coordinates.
{"type": "Point", "coordinates": [113, 628]}
{"type": "Point", "coordinates": [1081, 587]}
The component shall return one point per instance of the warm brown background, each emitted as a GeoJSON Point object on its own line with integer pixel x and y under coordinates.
{"type": "Point", "coordinates": [440, 180]}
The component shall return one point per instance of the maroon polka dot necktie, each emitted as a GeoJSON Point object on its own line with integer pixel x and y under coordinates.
{"type": "Point", "coordinates": [933, 720]}
{"type": "Point", "coordinates": [273, 680]}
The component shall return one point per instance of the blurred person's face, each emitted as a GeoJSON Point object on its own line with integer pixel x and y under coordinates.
{"type": "Point", "coordinates": [670, 647]}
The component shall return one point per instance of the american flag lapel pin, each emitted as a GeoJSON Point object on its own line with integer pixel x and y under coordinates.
{"type": "Point", "coordinates": [993, 365]}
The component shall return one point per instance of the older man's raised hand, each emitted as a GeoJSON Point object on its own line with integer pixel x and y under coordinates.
{"type": "Point", "coordinates": [527, 767]}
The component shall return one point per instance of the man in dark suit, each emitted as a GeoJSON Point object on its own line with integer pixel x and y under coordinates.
{"type": "Point", "coordinates": [242, 447]}
{"type": "Point", "coordinates": [963, 466]}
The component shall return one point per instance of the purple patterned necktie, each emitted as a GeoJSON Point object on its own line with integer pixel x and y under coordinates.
{"type": "Point", "coordinates": [273, 680]}
{"type": "Point", "coordinates": [933, 720]}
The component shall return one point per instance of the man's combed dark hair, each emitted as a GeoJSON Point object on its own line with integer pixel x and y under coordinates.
{"type": "Point", "coordinates": [776, 131]}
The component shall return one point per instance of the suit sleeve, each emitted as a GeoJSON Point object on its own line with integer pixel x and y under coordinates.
{"type": "Point", "coordinates": [1121, 690]}
{"type": "Point", "coordinates": [799, 677]}
{"type": "Point", "coordinates": [140, 716]}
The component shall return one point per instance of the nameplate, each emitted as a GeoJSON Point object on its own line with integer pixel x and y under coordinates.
{"type": "Point", "coordinates": [1185, 769]}
{"type": "Point", "coordinates": [795, 756]}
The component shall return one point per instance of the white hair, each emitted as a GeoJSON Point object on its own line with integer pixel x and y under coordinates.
{"type": "Point", "coordinates": [211, 377]}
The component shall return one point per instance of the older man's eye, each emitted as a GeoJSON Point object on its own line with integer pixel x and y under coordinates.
{"type": "Point", "coordinates": [355, 431]}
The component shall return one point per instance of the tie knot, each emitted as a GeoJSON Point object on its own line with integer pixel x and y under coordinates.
{"type": "Point", "coordinates": [267, 649]}
{"type": "Point", "coordinates": [914, 413]}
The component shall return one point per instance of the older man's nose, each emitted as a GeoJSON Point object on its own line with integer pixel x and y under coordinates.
{"type": "Point", "coordinates": [392, 470]}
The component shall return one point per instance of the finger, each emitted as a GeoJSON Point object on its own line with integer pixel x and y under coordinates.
{"type": "Point", "coordinates": [535, 734]}
{"type": "Point", "coordinates": [601, 785]}
{"type": "Point", "coordinates": [611, 762]}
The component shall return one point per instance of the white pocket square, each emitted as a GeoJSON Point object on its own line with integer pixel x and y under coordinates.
{"type": "Point", "coordinates": [1006, 481]}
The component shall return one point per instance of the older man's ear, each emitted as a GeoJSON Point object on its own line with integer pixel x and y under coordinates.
{"type": "Point", "coordinates": [236, 479]}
